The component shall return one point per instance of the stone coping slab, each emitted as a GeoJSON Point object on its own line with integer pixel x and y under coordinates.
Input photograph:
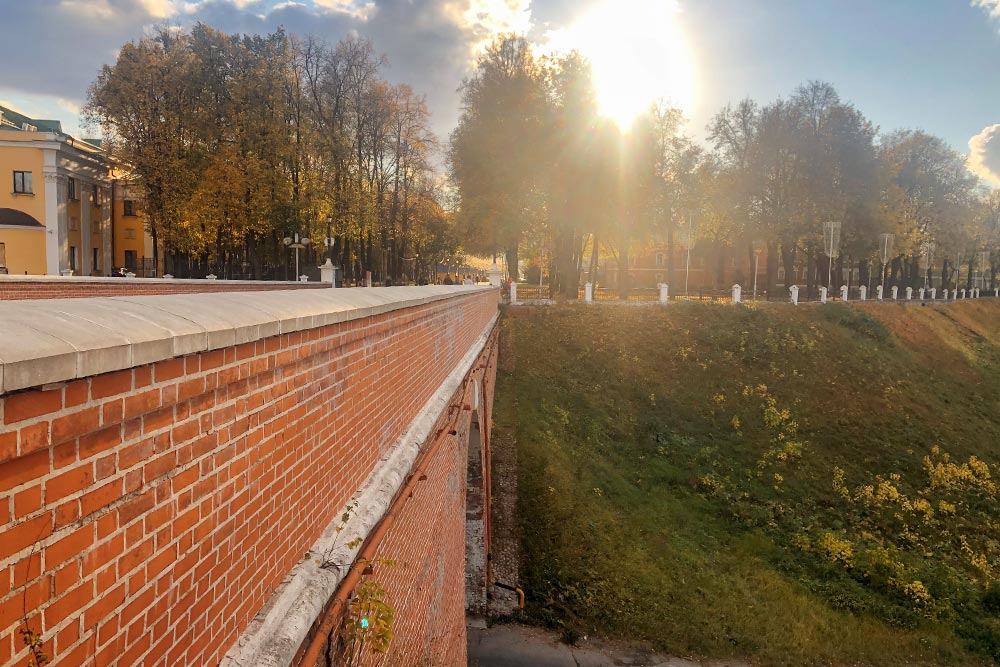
{"type": "Point", "coordinates": [44, 341]}
{"type": "Point", "coordinates": [29, 278]}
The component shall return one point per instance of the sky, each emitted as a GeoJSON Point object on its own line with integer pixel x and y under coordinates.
{"type": "Point", "coordinates": [923, 64]}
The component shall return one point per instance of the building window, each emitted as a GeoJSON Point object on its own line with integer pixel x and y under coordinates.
{"type": "Point", "coordinates": [72, 188]}
{"type": "Point", "coordinates": [22, 182]}
{"type": "Point", "coordinates": [130, 260]}
{"type": "Point", "coordinates": [95, 195]}
{"type": "Point", "coordinates": [659, 259]}
{"type": "Point", "coordinates": [72, 257]}
{"type": "Point", "coordinates": [3, 255]}
{"type": "Point", "coordinates": [74, 224]}
{"type": "Point", "coordinates": [129, 233]}
{"type": "Point", "coordinates": [129, 206]}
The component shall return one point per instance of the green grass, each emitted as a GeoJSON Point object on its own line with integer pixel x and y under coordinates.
{"type": "Point", "coordinates": [791, 486]}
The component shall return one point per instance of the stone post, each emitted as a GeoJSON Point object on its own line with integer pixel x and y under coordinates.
{"type": "Point", "coordinates": [588, 292]}
{"type": "Point", "coordinates": [822, 295]}
{"type": "Point", "coordinates": [843, 292]}
{"type": "Point", "coordinates": [945, 293]}
{"type": "Point", "coordinates": [895, 292]}
{"type": "Point", "coordinates": [863, 292]}
{"type": "Point", "coordinates": [996, 291]}
{"type": "Point", "coordinates": [513, 292]}
{"type": "Point", "coordinates": [328, 273]}
{"type": "Point", "coordinates": [933, 293]}
{"type": "Point", "coordinates": [736, 293]}
{"type": "Point", "coordinates": [664, 292]}
{"type": "Point", "coordinates": [962, 293]}
{"type": "Point", "coordinates": [794, 290]}
{"type": "Point", "coordinates": [920, 292]}
{"type": "Point", "coordinates": [495, 275]}
{"type": "Point", "coordinates": [368, 278]}
{"type": "Point", "coordinates": [211, 276]}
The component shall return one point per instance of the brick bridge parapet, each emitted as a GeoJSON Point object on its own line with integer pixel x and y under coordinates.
{"type": "Point", "coordinates": [173, 468]}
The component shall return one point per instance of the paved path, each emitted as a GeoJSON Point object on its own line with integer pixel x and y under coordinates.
{"type": "Point", "coordinates": [520, 646]}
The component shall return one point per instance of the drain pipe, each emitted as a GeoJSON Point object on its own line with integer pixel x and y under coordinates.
{"type": "Point", "coordinates": [334, 612]}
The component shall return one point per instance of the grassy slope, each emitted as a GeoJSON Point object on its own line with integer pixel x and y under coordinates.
{"type": "Point", "coordinates": [761, 483]}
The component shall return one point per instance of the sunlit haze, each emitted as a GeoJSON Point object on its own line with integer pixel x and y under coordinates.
{"type": "Point", "coordinates": [638, 51]}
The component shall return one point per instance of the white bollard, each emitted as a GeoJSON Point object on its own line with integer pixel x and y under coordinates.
{"type": "Point", "coordinates": [933, 293]}
{"type": "Point", "coordinates": [954, 294]}
{"type": "Point", "coordinates": [996, 291]}
{"type": "Point", "coordinates": [863, 292]}
{"type": "Point", "coordinates": [895, 292]}
{"type": "Point", "coordinates": [513, 292]}
{"type": "Point", "coordinates": [977, 293]}
{"type": "Point", "coordinates": [794, 289]}
{"type": "Point", "coordinates": [495, 275]}
{"type": "Point", "coordinates": [822, 295]}
{"type": "Point", "coordinates": [909, 293]}
{"type": "Point", "coordinates": [664, 292]}
{"type": "Point", "coordinates": [920, 292]}
{"type": "Point", "coordinates": [843, 292]}
{"type": "Point", "coordinates": [878, 293]}
{"type": "Point", "coordinates": [368, 278]}
{"type": "Point", "coordinates": [736, 293]}
{"type": "Point", "coordinates": [963, 294]}
{"type": "Point", "coordinates": [588, 292]}
{"type": "Point", "coordinates": [945, 293]}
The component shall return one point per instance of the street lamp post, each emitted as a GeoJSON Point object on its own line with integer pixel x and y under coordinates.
{"type": "Point", "coordinates": [687, 242]}
{"type": "Point", "coordinates": [758, 247]}
{"type": "Point", "coordinates": [831, 242]}
{"type": "Point", "coordinates": [885, 247]}
{"type": "Point", "coordinates": [297, 242]}
{"type": "Point", "coordinates": [927, 260]}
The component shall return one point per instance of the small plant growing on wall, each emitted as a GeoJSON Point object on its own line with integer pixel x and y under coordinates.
{"type": "Point", "coordinates": [367, 628]}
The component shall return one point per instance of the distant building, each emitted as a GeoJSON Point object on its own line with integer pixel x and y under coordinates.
{"type": "Point", "coordinates": [58, 216]}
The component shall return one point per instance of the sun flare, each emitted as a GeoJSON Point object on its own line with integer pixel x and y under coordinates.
{"type": "Point", "coordinates": [638, 52]}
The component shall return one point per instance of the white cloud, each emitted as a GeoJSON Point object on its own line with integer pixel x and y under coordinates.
{"type": "Point", "coordinates": [485, 19]}
{"type": "Point", "coordinates": [992, 7]}
{"type": "Point", "coordinates": [984, 154]}
{"type": "Point", "coordinates": [357, 9]}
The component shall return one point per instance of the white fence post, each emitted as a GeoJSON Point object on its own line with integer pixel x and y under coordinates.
{"type": "Point", "coordinates": [588, 292]}
{"type": "Point", "coordinates": [945, 293]}
{"type": "Point", "coordinates": [933, 293]}
{"type": "Point", "coordinates": [513, 292]}
{"type": "Point", "coordinates": [963, 294]}
{"type": "Point", "coordinates": [822, 295]}
{"type": "Point", "coordinates": [895, 292]}
{"type": "Point", "coordinates": [794, 289]}
{"type": "Point", "coordinates": [736, 293]}
{"type": "Point", "coordinates": [863, 292]}
{"type": "Point", "coordinates": [664, 292]}
{"type": "Point", "coordinates": [843, 292]}
{"type": "Point", "coordinates": [878, 293]}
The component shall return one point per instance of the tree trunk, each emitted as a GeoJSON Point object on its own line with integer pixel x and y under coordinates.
{"type": "Point", "coordinates": [788, 261]}
{"type": "Point", "coordinates": [772, 266]}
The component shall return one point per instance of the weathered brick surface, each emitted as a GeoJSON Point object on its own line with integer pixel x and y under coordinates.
{"type": "Point", "coordinates": [78, 289]}
{"type": "Point", "coordinates": [160, 509]}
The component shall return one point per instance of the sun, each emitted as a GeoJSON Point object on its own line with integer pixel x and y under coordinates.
{"type": "Point", "coordinates": [638, 53]}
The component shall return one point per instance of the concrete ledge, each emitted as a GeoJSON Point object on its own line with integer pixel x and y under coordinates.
{"type": "Point", "coordinates": [20, 278]}
{"type": "Point", "coordinates": [55, 340]}
{"type": "Point", "coordinates": [279, 629]}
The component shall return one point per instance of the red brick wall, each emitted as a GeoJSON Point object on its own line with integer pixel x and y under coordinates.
{"type": "Point", "coordinates": [76, 289]}
{"type": "Point", "coordinates": [146, 515]}
{"type": "Point", "coordinates": [426, 584]}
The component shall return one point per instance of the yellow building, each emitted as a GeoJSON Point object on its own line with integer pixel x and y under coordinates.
{"type": "Point", "coordinates": [65, 211]}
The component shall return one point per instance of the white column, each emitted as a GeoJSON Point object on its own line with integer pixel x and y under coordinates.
{"type": "Point", "coordinates": [945, 293]}
{"type": "Point", "coordinates": [863, 292]}
{"type": "Point", "coordinates": [920, 293]}
{"type": "Point", "coordinates": [895, 292]}
{"type": "Point", "coordinates": [664, 292]}
{"type": "Point", "coordinates": [878, 293]}
{"type": "Point", "coordinates": [495, 275]}
{"type": "Point", "coordinates": [513, 292]}
{"type": "Point", "coordinates": [822, 294]}
{"type": "Point", "coordinates": [588, 292]}
{"type": "Point", "coordinates": [56, 225]}
{"type": "Point", "coordinates": [86, 254]}
{"type": "Point", "coordinates": [106, 231]}
{"type": "Point", "coordinates": [794, 290]}
{"type": "Point", "coordinates": [962, 293]}
{"type": "Point", "coordinates": [933, 293]}
{"type": "Point", "coordinates": [843, 292]}
{"type": "Point", "coordinates": [736, 293]}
